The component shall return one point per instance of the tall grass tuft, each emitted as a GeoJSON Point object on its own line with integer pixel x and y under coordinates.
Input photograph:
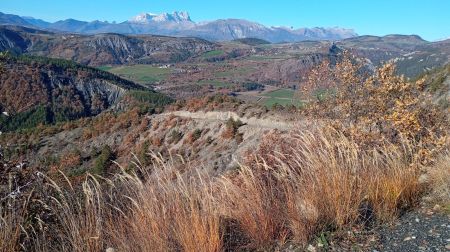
{"type": "Point", "coordinates": [320, 181]}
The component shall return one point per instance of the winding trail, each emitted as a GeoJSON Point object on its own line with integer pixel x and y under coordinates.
{"type": "Point", "coordinates": [266, 123]}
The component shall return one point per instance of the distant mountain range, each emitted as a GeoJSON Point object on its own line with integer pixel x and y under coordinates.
{"type": "Point", "coordinates": [180, 24]}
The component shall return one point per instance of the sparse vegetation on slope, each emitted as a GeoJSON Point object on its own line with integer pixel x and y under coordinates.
{"type": "Point", "coordinates": [437, 81]}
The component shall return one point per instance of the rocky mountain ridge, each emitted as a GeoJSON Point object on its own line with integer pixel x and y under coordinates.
{"type": "Point", "coordinates": [180, 24]}
{"type": "Point", "coordinates": [146, 18]}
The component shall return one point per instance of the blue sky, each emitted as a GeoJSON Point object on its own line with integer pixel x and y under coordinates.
{"type": "Point", "coordinates": [427, 18]}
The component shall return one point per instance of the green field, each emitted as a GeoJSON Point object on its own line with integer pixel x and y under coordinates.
{"type": "Point", "coordinates": [143, 74]}
{"type": "Point", "coordinates": [280, 93]}
{"type": "Point", "coordinates": [214, 53]}
{"type": "Point", "coordinates": [281, 96]}
{"type": "Point", "coordinates": [105, 68]}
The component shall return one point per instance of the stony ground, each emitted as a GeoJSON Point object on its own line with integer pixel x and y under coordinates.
{"type": "Point", "coordinates": [426, 229]}
{"type": "Point", "coordinates": [423, 229]}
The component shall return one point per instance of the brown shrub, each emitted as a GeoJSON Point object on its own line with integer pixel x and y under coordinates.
{"type": "Point", "coordinates": [157, 141]}
{"type": "Point", "coordinates": [196, 104]}
{"type": "Point", "coordinates": [193, 136]}
{"type": "Point", "coordinates": [373, 109]}
{"type": "Point", "coordinates": [70, 160]}
{"type": "Point", "coordinates": [231, 130]}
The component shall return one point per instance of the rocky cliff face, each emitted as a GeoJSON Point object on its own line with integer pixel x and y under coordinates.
{"type": "Point", "coordinates": [101, 49]}
{"type": "Point", "coordinates": [11, 40]}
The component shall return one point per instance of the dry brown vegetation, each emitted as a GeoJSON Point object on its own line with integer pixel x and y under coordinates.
{"type": "Point", "coordinates": [359, 165]}
{"type": "Point", "coordinates": [377, 108]}
{"type": "Point", "coordinates": [439, 179]}
{"type": "Point", "coordinates": [307, 182]}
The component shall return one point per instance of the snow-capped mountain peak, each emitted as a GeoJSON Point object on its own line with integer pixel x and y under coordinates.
{"type": "Point", "coordinates": [177, 17]}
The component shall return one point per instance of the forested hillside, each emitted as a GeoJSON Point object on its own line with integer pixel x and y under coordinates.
{"type": "Point", "coordinates": [37, 90]}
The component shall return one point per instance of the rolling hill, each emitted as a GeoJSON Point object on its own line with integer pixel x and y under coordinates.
{"type": "Point", "coordinates": [101, 49]}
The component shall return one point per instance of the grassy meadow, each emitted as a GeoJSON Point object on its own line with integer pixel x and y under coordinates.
{"type": "Point", "coordinates": [282, 97]}
{"type": "Point", "coordinates": [143, 74]}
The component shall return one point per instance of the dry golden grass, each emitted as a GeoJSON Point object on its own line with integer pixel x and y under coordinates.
{"type": "Point", "coordinates": [11, 221]}
{"type": "Point", "coordinates": [307, 182]}
{"type": "Point", "coordinates": [439, 179]}
{"type": "Point", "coordinates": [321, 183]}
{"type": "Point", "coordinates": [167, 212]}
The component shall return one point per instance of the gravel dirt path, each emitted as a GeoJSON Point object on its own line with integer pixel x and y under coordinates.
{"type": "Point", "coordinates": [266, 123]}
